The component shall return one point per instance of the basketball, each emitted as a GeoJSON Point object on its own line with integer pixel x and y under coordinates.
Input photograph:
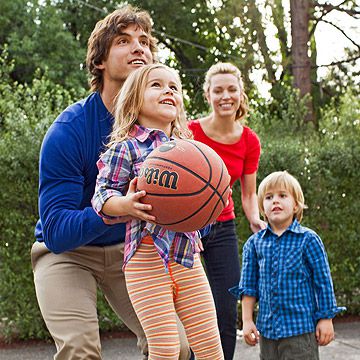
{"type": "Point", "coordinates": [187, 184]}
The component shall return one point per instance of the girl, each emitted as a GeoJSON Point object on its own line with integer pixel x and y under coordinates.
{"type": "Point", "coordinates": [239, 147]}
{"type": "Point", "coordinates": [163, 272]}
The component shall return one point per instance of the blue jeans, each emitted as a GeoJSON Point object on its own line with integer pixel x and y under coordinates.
{"type": "Point", "coordinates": [221, 256]}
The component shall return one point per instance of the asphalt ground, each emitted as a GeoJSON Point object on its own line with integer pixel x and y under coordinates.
{"type": "Point", "coordinates": [346, 346]}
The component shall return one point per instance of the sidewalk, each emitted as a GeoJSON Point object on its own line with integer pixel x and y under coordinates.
{"type": "Point", "coordinates": [346, 346]}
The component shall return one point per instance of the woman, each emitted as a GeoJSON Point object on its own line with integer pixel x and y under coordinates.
{"type": "Point", "coordinates": [239, 147]}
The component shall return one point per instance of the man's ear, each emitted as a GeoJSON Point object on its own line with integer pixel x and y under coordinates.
{"type": "Point", "coordinates": [100, 66]}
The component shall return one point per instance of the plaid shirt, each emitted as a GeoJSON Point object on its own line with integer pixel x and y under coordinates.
{"type": "Point", "coordinates": [290, 276]}
{"type": "Point", "coordinates": [117, 166]}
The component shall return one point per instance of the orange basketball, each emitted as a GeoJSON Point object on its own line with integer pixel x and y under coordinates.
{"type": "Point", "coordinates": [187, 184]}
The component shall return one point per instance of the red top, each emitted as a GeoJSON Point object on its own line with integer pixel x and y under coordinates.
{"type": "Point", "coordinates": [240, 158]}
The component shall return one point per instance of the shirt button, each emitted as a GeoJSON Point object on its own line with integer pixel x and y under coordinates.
{"type": "Point", "coordinates": [164, 139]}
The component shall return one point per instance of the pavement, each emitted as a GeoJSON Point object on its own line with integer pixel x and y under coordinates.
{"type": "Point", "coordinates": [345, 347]}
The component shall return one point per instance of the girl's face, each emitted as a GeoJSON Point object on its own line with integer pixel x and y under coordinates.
{"type": "Point", "coordinates": [162, 100]}
{"type": "Point", "coordinates": [224, 95]}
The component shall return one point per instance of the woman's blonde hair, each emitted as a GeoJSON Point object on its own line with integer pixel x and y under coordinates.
{"type": "Point", "coordinates": [282, 180]}
{"type": "Point", "coordinates": [130, 99]}
{"type": "Point", "coordinates": [228, 68]}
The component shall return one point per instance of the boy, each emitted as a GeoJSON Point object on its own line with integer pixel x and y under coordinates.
{"type": "Point", "coordinates": [285, 268]}
{"type": "Point", "coordinates": [76, 251]}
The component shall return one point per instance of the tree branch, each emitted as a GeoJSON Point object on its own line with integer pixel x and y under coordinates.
{"type": "Point", "coordinates": [335, 63]}
{"type": "Point", "coordinates": [342, 31]}
{"type": "Point", "coordinates": [330, 7]}
{"type": "Point", "coordinates": [327, 8]}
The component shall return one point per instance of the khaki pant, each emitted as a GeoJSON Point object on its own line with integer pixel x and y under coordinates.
{"type": "Point", "coordinates": [300, 347]}
{"type": "Point", "coordinates": [66, 286]}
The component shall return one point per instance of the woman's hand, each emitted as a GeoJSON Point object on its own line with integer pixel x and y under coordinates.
{"type": "Point", "coordinates": [257, 225]}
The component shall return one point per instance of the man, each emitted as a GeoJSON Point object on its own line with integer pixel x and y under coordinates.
{"type": "Point", "coordinates": [76, 251]}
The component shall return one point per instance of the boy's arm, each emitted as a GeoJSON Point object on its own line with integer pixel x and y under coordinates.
{"type": "Point", "coordinates": [247, 290]}
{"type": "Point", "coordinates": [317, 261]}
{"type": "Point", "coordinates": [250, 332]}
{"type": "Point", "coordinates": [249, 273]}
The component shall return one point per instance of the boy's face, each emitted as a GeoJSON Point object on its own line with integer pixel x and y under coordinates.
{"type": "Point", "coordinates": [129, 50]}
{"type": "Point", "coordinates": [279, 207]}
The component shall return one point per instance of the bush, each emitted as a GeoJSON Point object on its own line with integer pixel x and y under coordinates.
{"type": "Point", "coordinates": [26, 112]}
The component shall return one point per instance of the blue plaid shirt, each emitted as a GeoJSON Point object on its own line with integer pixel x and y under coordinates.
{"type": "Point", "coordinates": [290, 276]}
{"type": "Point", "coordinates": [117, 166]}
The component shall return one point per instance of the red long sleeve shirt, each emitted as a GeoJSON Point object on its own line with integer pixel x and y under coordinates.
{"type": "Point", "coordinates": [240, 158]}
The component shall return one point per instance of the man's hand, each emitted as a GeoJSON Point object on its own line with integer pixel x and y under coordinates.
{"type": "Point", "coordinates": [250, 332]}
{"type": "Point", "coordinates": [324, 331]}
{"type": "Point", "coordinates": [118, 220]}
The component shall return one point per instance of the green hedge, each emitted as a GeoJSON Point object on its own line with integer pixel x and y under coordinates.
{"type": "Point", "coordinates": [327, 168]}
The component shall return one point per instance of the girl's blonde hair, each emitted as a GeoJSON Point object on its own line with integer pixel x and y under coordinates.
{"type": "Point", "coordinates": [282, 180]}
{"type": "Point", "coordinates": [228, 68]}
{"type": "Point", "coordinates": [130, 99]}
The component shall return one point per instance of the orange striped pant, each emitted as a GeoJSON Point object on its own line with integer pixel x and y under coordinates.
{"type": "Point", "coordinates": [157, 295]}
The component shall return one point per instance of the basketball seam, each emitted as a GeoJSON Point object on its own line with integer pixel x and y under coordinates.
{"type": "Point", "coordinates": [215, 191]}
{"type": "Point", "coordinates": [207, 183]}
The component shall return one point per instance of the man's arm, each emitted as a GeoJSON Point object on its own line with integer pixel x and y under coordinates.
{"type": "Point", "coordinates": [65, 225]}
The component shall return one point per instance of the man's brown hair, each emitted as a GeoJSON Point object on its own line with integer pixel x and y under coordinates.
{"type": "Point", "coordinates": [104, 33]}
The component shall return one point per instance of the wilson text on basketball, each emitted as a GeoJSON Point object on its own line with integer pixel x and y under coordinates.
{"type": "Point", "coordinates": [165, 178]}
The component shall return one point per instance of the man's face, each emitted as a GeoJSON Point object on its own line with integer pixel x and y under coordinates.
{"type": "Point", "coordinates": [129, 50]}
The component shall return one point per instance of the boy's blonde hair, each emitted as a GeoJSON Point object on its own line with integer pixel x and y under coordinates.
{"type": "Point", "coordinates": [282, 180]}
{"type": "Point", "coordinates": [130, 100]}
{"type": "Point", "coordinates": [228, 68]}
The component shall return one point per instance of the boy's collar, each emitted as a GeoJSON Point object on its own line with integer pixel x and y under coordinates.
{"type": "Point", "coordinates": [295, 227]}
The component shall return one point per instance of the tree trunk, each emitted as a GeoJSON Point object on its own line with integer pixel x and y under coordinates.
{"type": "Point", "coordinates": [301, 63]}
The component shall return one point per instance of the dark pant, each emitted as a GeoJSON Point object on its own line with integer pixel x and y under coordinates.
{"type": "Point", "coordinates": [221, 256]}
{"type": "Point", "coordinates": [301, 347]}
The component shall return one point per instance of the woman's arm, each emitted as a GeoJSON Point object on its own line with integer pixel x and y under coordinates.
{"type": "Point", "coordinates": [249, 202]}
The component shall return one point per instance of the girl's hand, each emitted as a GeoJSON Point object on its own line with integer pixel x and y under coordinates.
{"type": "Point", "coordinates": [257, 225]}
{"type": "Point", "coordinates": [134, 208]}
{"type": "Point", "coordinates": [250, 332]}
{"type": "Point", "coordinates": [324, 331]}
{"type": "Point", "coordinates": [199, 246]}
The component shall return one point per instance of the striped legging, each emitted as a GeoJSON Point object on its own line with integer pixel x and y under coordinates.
{"type": "Point", "coordinates": [157, 295]}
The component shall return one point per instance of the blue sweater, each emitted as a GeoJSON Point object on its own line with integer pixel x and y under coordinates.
{"type": "Point", "coordinates": [68, 171]}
